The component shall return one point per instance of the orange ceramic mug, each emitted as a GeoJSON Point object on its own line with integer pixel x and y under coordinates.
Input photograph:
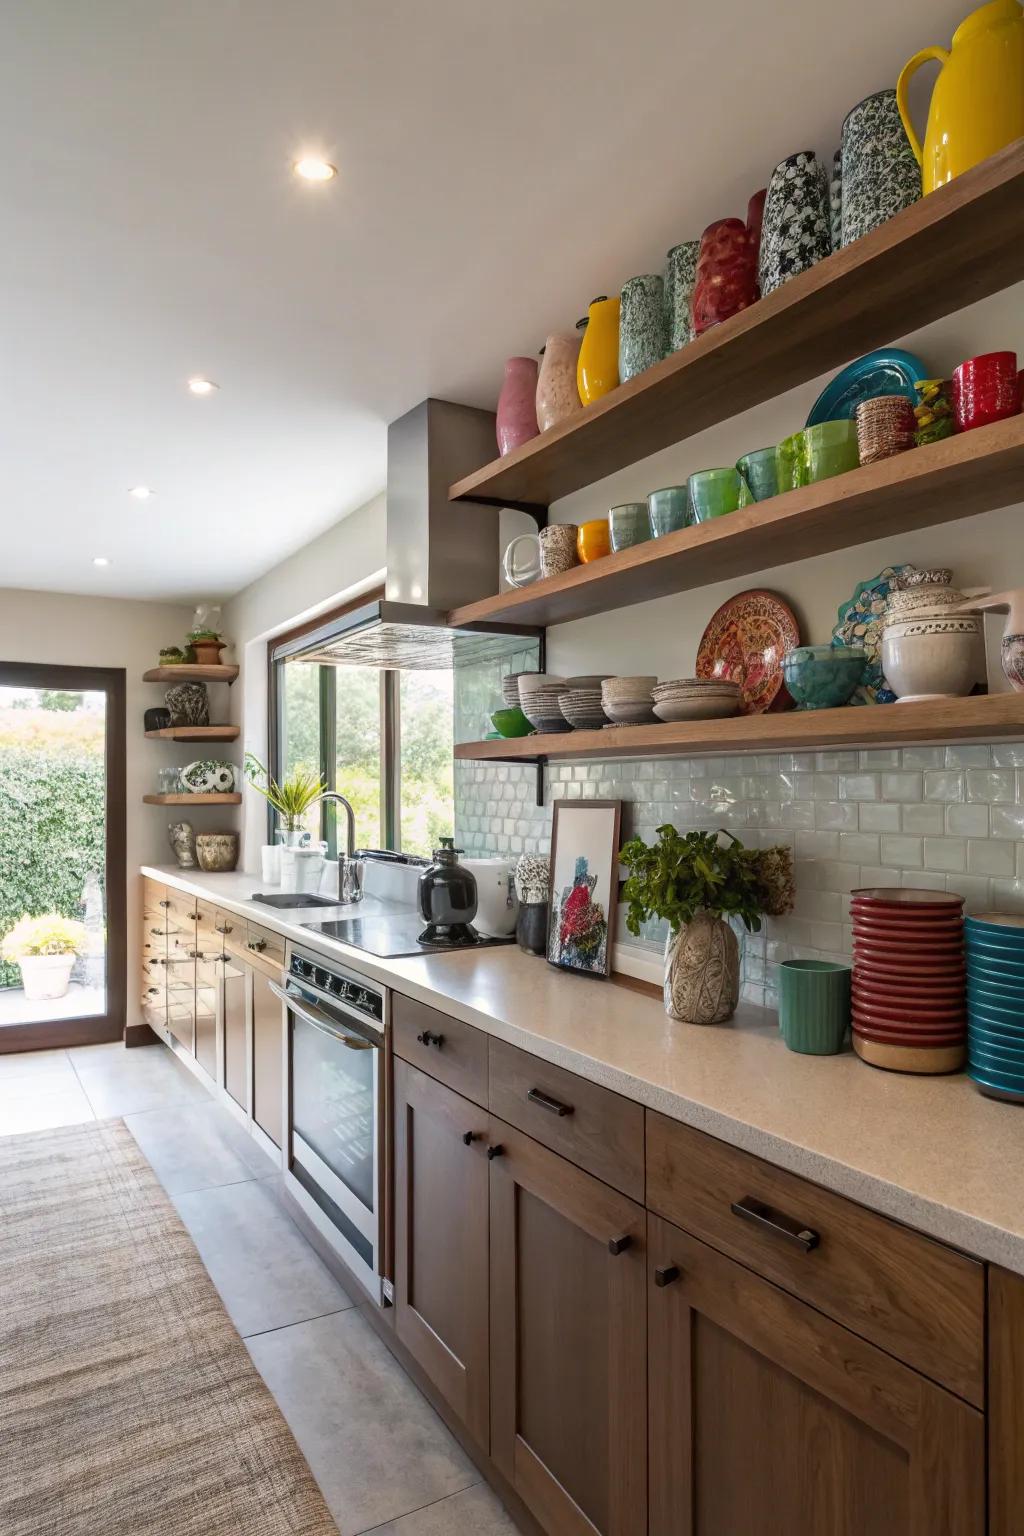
{"type": "Point", "coordinates": [592, 540]}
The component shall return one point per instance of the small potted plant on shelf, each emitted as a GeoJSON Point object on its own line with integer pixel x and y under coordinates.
{"type": "Point", "coordinates": [45, 948]}
{"type": "Point", "coordinates": [176, 655]}
{"type": "Point", "coordinates": [291, 797]}
{"type": "Point", "coordinates": [694, 882]}
{"type": "Point", "coordinates": [206, 645]}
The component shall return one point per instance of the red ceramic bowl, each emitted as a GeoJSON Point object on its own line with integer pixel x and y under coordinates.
{"type": "Point", "coordinates": [928, 994]}
{"type": "Point", "coordinates": [928, 938]}
{"type": "Point", "coordinates": [937, 923]}
{"type": "Point", "coordinates": [946, 973]}
{"type": "Point", "coordinates": [985, 389]}
{"type": "Point", "coordinates": [909, 901]}
{"type": "Point", "coordinates": [913, 1038]}
{"type": "Point", "coordinates": [886, 1016]}
{"type": "Point", "coordinates": [893, 954]}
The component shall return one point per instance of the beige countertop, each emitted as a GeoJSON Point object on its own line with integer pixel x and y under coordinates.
{"type": "Point", "coordinates": [931, 1152]}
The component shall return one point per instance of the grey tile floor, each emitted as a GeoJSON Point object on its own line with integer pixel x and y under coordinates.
{"type": "Point", "coordinates": [384, 1460]}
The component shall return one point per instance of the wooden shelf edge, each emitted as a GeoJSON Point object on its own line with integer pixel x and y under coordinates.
{"type": "Point", "coordinates": [960, 476]}
{"type": "Point", "coordinates": [213, 799]}
{"type": "Point", "coordinates": [873, 289]}
{"type": "Point", "coordinates": [987, 717]}
{"type": "Point", "coordinates": [191, 672]}
{"type": "Point", "coordinates": [196, 733]}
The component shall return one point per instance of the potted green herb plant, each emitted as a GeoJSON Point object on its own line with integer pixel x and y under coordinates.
{"type": "Point", "coordinates": [291, 797]}
{"type": "Point", "coordinates": [45, 948]}
{"type": "Point", "coordinates": [694, 882]}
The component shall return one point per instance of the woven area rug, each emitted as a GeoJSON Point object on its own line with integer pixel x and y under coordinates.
{"type": "Point", "coordinates": [129, 1405]}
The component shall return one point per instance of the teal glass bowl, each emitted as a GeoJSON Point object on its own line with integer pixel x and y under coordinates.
{"type": "Point", "coordinates": [823, 676]}
{"type": "Point", "coordinates": [760, 470]}
{"type": "Point", "coordinates": [668, 510]}
{"type": "Point", "coordinates": [511, 722]}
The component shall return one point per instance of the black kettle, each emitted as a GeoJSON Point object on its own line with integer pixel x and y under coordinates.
{"type": "Point", "coordinates": [447, 895]}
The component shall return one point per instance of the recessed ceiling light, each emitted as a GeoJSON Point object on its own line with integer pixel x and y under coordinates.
{"type": "Point", "coordinates": [202, 386]}
{"type": "Point", "coordinates": [309, 168]}
{"type": "Point", "coordinates": [140, 492]}
{"type": "Point", "coordinates": [100, 560]}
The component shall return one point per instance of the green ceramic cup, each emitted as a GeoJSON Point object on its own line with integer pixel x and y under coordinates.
{"type": "Point", "coordinates": [759, 469]}
{"type": "Point", "coordinates": [814, 1005]}
{"type": "Point", "coordinates": [791, 467]}
{"type": "Point", "coordinates": [715, 492]}
{"type": "Point", "coordinates": [669, 510]}
{"type": "Point", "coordinates": [628, 525]}
{"type": "Point", "coordinates": [831, 449]}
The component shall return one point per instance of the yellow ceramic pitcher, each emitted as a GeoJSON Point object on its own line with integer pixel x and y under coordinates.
{"type": "Point", "coordinates": [978, 101]}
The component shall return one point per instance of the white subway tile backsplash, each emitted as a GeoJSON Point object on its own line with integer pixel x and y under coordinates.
{"type": "Point", "coordinates": [1008, 754]}
{"type": "Point", "coordinates": [878, 874]}
{"type": "Point", "coordinates": [905, 852]}
{"type": "Point", "coordinates": [922, 879]}
{"type": "Point", "coordinates": [880, 816]}
{"type": "Point", "coordinates": [990, 786]}
{"type": "Point", "coordinates": [1007, 821]}
{"type": "Point", "coordinates": [836, 815]}
{"type": "Point", "coordinates": [858, 848]}
{"type": "Point", "coordinates": [967, 820]}
{"type": "Point", "coordinates": [923, 820]}
{"type": "Point", "coordinates": [901, 786]}
{"type": "Point", "coordinates": [987, 857]}
{"type": "Point", "coordinates": [924, 757]}
{"type": "Point", "coordinates": [944, 785]}
{"type": "Point", "coordinates": [859, 786]}
{"type": "Point", "coordinates": [1008, 895]}
{"type": "Point", "coordinates": [880, 757]}
{"type": "Point", "coordinates": [945, 853]}
{"type": "Point", "coordinates": [968, 757]}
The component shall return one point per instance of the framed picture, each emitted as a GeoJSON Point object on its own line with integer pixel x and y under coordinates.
{"type": "Point", "coordinates": [584, 884]}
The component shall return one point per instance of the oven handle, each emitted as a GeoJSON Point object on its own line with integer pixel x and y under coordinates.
{"type": "Point", "coordinates": [321, 1021]}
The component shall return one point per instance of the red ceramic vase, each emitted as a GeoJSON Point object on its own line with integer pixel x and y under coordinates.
{"type": "Point", "coordinates": [726, 273]}
{"type": "Point", "coordinates": [985, 389]}
{"type": "Point", "coordinates": [517, 405]}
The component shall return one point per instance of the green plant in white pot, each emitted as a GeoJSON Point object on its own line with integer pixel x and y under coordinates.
{"type": "Point", "coordinates": [45, 948]}
{"type": "Point", "coordinates": [694, 883]}
{"type": "Point", "coordinates": [291, 797]}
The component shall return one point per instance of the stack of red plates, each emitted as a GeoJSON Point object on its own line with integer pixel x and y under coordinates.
{"type": "Point", "coordinates": [909, 1007]}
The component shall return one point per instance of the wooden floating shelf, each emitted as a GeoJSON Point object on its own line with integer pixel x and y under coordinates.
{"type": "Point", "coordinates": [953, 247]}
{"type": "Point", "coordinates": [988, 717]}
{"type": "Point", "coordinates": [191, 672]}
{"type": "Point", "coordinates": [196, 733]}
{"type": "Point", "coordinates": [212, 799]}
{"type": "Point", "coordinates": [954, 478]}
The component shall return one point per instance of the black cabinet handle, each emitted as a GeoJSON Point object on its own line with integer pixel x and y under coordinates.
{"type": "Point", "coordinates": [619, 1244]}
{"type": "Point", "coordinates": [158, 932]}
{"type": "Point", "coordinates": [469, 1137]}
{"type": "Point", "coordinates": [428, 1038]}
{"type": "Point", "coordinates": [193, 954]}
{"type": "Point", "coordinates": [163, 903]}
{"type": "Point", "coordinates": [257, 945]}
{"type": "Point", "coordinates": [223, 927]}
{"type": "Point", "coordinates": [664, 1274]}
{"type": "Point", "coordinates": [555, 1106]}
{"type": "Point", "coordinates": [770, 1220]}
{"type": "Point", "coordinates": [493, 1152]}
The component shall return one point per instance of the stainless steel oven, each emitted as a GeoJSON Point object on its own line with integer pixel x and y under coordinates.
{"type": "Point", "coordinates": [337, 1023]}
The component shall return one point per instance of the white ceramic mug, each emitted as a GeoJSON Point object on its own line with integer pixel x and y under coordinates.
{"type": "Point", "coordinates": [521, 575]}
{"type": "Point", "coordinates": [270, 863]}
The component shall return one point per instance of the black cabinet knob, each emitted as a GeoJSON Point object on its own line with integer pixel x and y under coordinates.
{"type": "Point", "coordinates": [469, 1137]}
{"type": "Point", "coordinates": [497, 1151]}
{"type": "Point", "coordinates": [429, 1038]}
{"type": "Point", "coordinates": [664, 1274]}
{"type": "Point", "coordinates": [619, 1244]}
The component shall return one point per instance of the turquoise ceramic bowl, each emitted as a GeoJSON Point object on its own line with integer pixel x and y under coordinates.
{"type": "Point", "coordinates": [629, 524]}
{"type": "Point", "coordinates": [996, 1084]}
{"type": "Point", "coordinates": [995, 1061]}
{"type": "Point", "coordinates": [760, 470]}
{"type": "Point", "coordinates": [995, 959]}
{"type": "Point", "coordinates": [1003, 994]}
{"type": "Point", "coordinates": [1005, 935]}
{"type": "Point", "coordinates": [668, 510]}
{"type": "Point", "coordinates": [511, 722]}
{"type": "Point", "coordinates": [823, 676]}
{"type": "Point", "coordinates": [987, 1013]}
{"type": "Point", "coordinates": [990, 1038]}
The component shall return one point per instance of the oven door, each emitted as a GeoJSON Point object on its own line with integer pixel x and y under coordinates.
{"type": "Point", "coordinates": [334, 1152]}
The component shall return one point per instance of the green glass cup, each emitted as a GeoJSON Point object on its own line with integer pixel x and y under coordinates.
{"type": "Point", "coordinates": [831, 449]}
{"type": "Point", "coordinates": [628, 524]}
{"type": "Point", "coordinates": [668, 510]}
{"type": "Point", "coordinates": [791, 467]}
{"type": "Point", "coordinates": [814, 1005]}
{"type": "Point", "coordinates": [716, 492]}
{"type": "Point", "coordinates": [759, 469]}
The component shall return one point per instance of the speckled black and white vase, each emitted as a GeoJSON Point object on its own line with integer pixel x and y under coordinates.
{"type": "Point", "coordinates": [188, 703]}
{"type": "Point", "coordinates": [680, 276]}
{"type": "Point", "coordinates": [643, 338]}
{"type": "Point", "coordinates": [796, 231]}
{"type": "Point", "coordinates": [835, 200]}
{"type": "Point", "coordinates": [880, 174]}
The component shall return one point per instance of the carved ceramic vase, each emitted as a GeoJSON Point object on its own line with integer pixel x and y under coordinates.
{"type": "Point", "coordinates": [557, 393]}
{"type": "Point", "coordinates": [182, 839]}
{"type": "Point", "coordinates": [188, 703]}
{"type": "Point", "coordinates": [702, 971]}
{"type": "Point", "coordinates": [217, 852]}
{"type": "Point", "coordinates": [517, 405]}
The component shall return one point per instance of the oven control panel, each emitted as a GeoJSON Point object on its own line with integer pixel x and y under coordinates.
{"type": "Point", "coordinates": [364, 998]}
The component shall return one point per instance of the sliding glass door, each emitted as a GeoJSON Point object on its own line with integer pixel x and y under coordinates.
{"type": "Point", "coordinates": [62, 855]}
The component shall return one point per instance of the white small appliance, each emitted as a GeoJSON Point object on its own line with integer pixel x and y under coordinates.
{"type": "Point", "coordinates": [497, 904]}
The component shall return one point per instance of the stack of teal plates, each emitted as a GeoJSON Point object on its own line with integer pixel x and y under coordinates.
{"type": "Point", "coordinates": [995, 1003]}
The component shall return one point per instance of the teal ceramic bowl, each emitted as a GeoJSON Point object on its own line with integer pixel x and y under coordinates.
{"type": "Point", "coordinates": [511, 722]}
{"type": "Point", "coordinates": [668, 510]}
{"type": "Point", "coordinates": [717, 492]}
{"type": "Point", "coordinates": [628, 525]}
{"type": "Point", "coordinates": [760, 470]}
{"type": "Point", "coordinates": [996, 1061]}
{"type": "Point", "coordinates": [831, 449]}
{"type": "Point", "coordinates": [989, 1035]}
{"type": "Point", "coordinates": [1003, 994]}
{"type": "Point", "coordinates": [996, 1085]}
{"type": "Point", "coordinates": [823, 676]}
{"type": "Point", "coordinates": [988, 1013]}
{"type": "Point", "coordinates": [1008, 933]}
{"type": "Point", "coordinates": [994, 958]}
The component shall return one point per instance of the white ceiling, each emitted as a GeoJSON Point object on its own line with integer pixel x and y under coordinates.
{"type": "Point", "coordinates": [501, 161]}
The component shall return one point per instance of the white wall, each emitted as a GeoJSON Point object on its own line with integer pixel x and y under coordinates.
{"type": "Point", "coordinates": [347, 559]}
{"type": "Point", "coordinates": [110, 632]}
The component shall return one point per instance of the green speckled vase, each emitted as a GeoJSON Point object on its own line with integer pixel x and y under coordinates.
{"type": "Point", "coordinates": [814, 1005]}
{"type": "Point", "coordinates": [680, 276]}
{"type": "Point", "coordinates": [643, 334]}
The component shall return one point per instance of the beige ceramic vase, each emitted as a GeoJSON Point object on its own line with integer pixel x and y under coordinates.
{"type": "Point", "coordinates": [557, 393]}
{"type": "Point", "coordinates": [702, 971]}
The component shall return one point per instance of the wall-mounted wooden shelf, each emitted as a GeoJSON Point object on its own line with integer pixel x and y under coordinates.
{"type": "Point", "coordinates": [955, 478]}
{"type": "Point", "coordinates": [213, 799]}
{"type": "Point", "coordinates": [196, 733]}
{"type": "Point", "coordinates": [957, 245]}
{"type": "Point", "coordinates": [987, 718]}
{"type": "Point", "coordinates": [191, 672]}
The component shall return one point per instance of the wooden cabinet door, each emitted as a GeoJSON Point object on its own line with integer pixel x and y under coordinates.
{"type": "Point", "coordinates": [767, 1417]}
{"type": "Point", "coordinates": [236, 1074]}
{"type": "Point", "coordinates": [267, 1058]}
{"type": "Point", "coordinates": [181, 987]}
{"type": "Point", "coordinates": [568, 1341]}
{"type": "Point", "coordinates": [208, 984]}
{"type": "Point", "coordinates": [441, 1295]}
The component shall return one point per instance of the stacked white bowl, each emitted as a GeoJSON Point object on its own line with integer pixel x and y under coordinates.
{"type": "Point", "coordinates": [582, 708]}
{"type": "Point", "coordinates": [929, 648]}
{"type": "Point", "coordinates": [696, 698]}
{"type": "Point", "coordinates": [628, 700]}
{"type": "Point", "coordinates": [510, 689]}
{"type": "Point", "coordinates": [538, 697]}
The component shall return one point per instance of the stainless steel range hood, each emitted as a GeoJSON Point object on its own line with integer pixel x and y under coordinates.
{"type": "Point", "coordinates": [440, 554]}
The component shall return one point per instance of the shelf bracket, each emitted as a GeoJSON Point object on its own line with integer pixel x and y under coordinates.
{"type": "Point", "coordinates": [533, 509]}
{"type": "Point", "coordinates": [540, 763]}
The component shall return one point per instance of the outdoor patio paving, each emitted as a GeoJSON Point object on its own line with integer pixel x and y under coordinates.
{"type": "Point", "coordinates": [79, 1002]}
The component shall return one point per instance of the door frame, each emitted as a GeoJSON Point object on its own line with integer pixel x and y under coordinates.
{"type": "Point", "coordinates": [110, 1025]}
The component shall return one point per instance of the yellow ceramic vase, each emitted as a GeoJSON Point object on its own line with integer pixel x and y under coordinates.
{"type": "Point", "coordinates": [977, 103]}
{"type": "Point", "coordinates": [597, 371]}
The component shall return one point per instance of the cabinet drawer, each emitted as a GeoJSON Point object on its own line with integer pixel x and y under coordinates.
{"type": "Point", "coordinates": [269, 946]}
{"type": "Point", "coordinates": [919, 1300]}
{"type": "Point", "coordinates": [445, 1048]}
{"type": "Point", "coordinates": [227, 925]}
{"type": "Point", "coordinates": [154, 895]}
{"type": "Point", "coordinates": [209, 939]}
{"type": "Point", "coordinates": [591, 1126]}
{"type": "Point", "coordinates": [181, 911]}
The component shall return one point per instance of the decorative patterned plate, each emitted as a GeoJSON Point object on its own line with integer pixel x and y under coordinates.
{"type": "Point", "coordinates": [208, 776]}
{"type": "Point", "coordinates": [745, 642]}
{"type": "Point", "coordinates": [859, 622]}
{"type": "Point", "coordinates": [889, 371]}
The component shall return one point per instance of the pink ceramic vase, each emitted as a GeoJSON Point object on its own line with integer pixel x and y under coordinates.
{"type": "Point", "coordinates": [558, 394]}
{"type": "Point", "coordinates": [517, 405]}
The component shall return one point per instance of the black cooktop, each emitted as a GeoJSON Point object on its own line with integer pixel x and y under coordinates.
{"type": "Point", "coordinates": [391, 937]}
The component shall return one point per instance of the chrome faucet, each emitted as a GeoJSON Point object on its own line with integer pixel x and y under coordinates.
{"type": "Point", "coordinates": [350, 886]}
{"type": "Point", "coordinates": [350, 820]}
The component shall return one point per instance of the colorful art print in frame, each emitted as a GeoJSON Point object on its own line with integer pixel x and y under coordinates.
{"type": "Point", "coordinates": [584, 885]}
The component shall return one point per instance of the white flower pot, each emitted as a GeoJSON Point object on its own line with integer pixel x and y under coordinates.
{"type": "Point", "coordinates": [45, 976]}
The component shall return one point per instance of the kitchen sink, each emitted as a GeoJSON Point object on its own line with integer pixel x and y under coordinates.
{"type": "Point", "coordinates": [294, 899]}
